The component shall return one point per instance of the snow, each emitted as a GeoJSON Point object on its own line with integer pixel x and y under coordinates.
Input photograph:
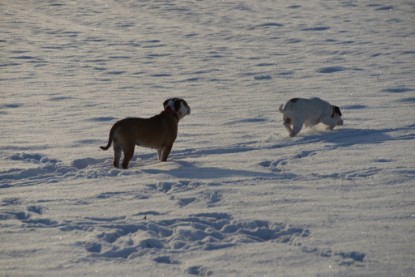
{"type": "Point", "coordinates": [237, 196]}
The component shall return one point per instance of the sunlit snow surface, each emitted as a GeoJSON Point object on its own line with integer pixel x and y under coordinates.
{"type": "Point", "coordinates": [237, 197]}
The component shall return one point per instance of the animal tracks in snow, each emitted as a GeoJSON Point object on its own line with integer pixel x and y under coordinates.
{"type": "Point", "coordinates": [162, 236]}
{"type": "Point", "coordinates": [38, 169]}
{"type": "Point", "coordinates": [31, 217]}
{"type": "Point", "coordinates": [118, 238]}
{"type": "Point", "coordinates": [206, 231]}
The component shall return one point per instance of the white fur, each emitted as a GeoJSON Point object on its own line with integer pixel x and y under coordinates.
{"type": "Point", "coordinates": [309, 112]}
{"type": "Point", "coordinates": [183, 110]}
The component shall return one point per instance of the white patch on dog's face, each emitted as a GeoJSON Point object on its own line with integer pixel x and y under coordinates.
{"type": "Point", "coordinates": [339, 120]}
{"type": "Point", "coordinates": [177, 105]}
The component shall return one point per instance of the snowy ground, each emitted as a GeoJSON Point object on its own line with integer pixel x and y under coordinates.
{"type": "Point", "coordinates": [237, 197]}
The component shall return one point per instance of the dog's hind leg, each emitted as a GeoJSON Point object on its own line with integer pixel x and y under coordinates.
{"type": "Point", "coordinates": [287, 124]}
{"type": "Point", "coordinates": [128, 154]}
{"type": "Point", "coordinates": [117, 154]}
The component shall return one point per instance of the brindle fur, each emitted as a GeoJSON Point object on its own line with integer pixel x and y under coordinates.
{"type": "Point", "coordinates": [158, 132]}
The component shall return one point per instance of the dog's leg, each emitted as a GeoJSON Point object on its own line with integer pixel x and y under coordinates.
{"type": "Point", "coordinates": [166, 152]}
{"type": "Point", "coordinates": [287, 124]}
{"type": "Point", "coordinates": [297, 125]}
{"type": "Point", "coordinates": [128, 154]}
{"type": "Point", "coordinates": [117, 154]}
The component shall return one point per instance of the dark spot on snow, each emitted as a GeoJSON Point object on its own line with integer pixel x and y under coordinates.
{"type": "Point", "coordinates": [271, 24]}
{"type": "Point", "coordinates": [105, 195]}
{"type": "Point", "coordinates": [35, 209]}
{"type": "Point", "coordinates": [331, 69]}
{"type": "Point", "coordinates": [40, 222]}
{"type": "Point", "coordinates": [152, 41]}
{"type": "Point", "coordinates": [354, 255]}
{"type": "Point", "coordinates": [5, 186]}
{"type": "Point", "coordinates": [346, 258]}
{"type": "Point", "coordinates": [10, 201]}
{"type": "Point", "coordinates": [247, 120]}
{"type": "Point", "coordinates": [400, 89]}
{"type": "Point", "coordinates": [56, 4]}
{"type": "Point", "coordinates": [33, 158]}
{"type": "Point", "coordinates": [93, 247]}
{"type": "Point", "coordinates": [60, 98]}
{"type": "Point", "coordinates": [294, 40]}
{"type": "Point", "coordinates": [151, 243]}
{"type": "Point", "coordinates": [115, 72]}
{"type": "Point", "coordinates": [265, 64]}
{"type": "Point", "coordinates": [385, 8]}
{"type": "Point", "coordinates": [286, 73]}
{"type": "Point", "coordinates": [193, 79]}
{"type": "Point", "coordinates": [20, 215]}
{"type": "Point", "coordinates": [263, 77]}
{"type": "Point", "coordinates": [198, 270]}
{"type": "Point", "coordinates": [186, 201]}
{"type": "Point", "coordinates": [155, 55]}
{"type": "Point", "coordinates": [354, 107]}
{"type": "Point", "coordinates": [88, 141]}
{"type": "Point", "coordinates": [191, 35]}
{"type": "Point", "coordinates": [102, 119]}
{"type": "Point", "coordinates": [119, 57]}
{"type": "Point", "coordinates": [165, 260]}
{"type": "Point", "coordinates": [158, 75]}
{"type": "Point", "coordinates": [24, 57]}
{"type": "Point", "coordinates": [319, 28]}
{"type": "Point", "coordinates": [407, 100]}
{"type": "Point", "coordinates": [11, 106]}
{"type": "Point", "coordinates": [383, 160]}
{"type": "Point", "coordinates": [265, 164]}
{"type": "Point", "coordinates": [148, 213]}
{"type": "Point", "coordinates": [85, 162]}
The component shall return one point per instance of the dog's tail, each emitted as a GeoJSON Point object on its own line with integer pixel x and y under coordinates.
{"type": "Point", "coordinates": [282, 110]}
{"type": "Point", "coordinates": [109, 139]}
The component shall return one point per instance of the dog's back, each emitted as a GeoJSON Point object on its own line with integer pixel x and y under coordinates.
{"type": "Point", "coordinates": [153, 132]}
{"type": "Point", "coordinates": [289, 105]}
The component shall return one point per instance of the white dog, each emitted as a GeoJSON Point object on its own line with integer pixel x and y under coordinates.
{"type": "Point", "coordinates": [299, 111]}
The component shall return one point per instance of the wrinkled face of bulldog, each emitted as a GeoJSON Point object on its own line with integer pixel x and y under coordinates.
{"type": "Point", "coordinates": [337, 116]}
{"type": "Point", "coordinates": [177, 105]}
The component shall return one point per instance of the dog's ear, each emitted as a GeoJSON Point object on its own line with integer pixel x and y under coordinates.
{"type": "Point", "coordinates": [165, 103]}
{"type": "Point", "coordinates": [336, 110]}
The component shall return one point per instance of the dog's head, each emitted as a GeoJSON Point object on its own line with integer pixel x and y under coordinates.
{"type": "Point", "coordinates": [337, 115]}
{"type": "Point", "coordinates": [178, 106]}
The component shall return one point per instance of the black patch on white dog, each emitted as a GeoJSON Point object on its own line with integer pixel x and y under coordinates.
{"type": "Point", "coordinates": [336, 110]}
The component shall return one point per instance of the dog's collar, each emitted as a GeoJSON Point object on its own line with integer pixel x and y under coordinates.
{"type": "Point", "coordinates": [174, 114]}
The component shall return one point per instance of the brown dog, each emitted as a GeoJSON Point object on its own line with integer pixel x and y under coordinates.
{"type": "Point", "coordinates": [158, 132]}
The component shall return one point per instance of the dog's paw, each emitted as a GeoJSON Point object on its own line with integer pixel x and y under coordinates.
{"type": "Point", "coordinates": [293, 134]}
